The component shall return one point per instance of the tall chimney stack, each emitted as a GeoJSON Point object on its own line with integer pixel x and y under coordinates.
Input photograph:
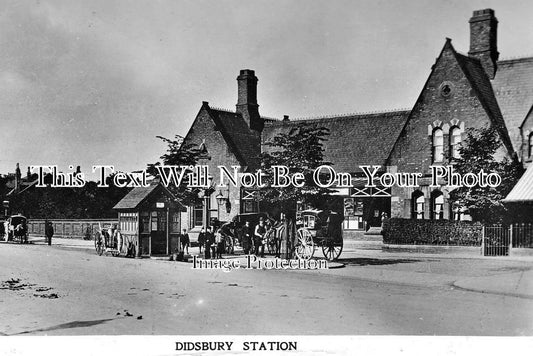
{"type": "Point", "coordinates": [247, 100]}
{"type": "Point", "coordinates": [483, 36]}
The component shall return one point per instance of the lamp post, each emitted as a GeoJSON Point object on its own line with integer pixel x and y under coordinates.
{"type": "Point", "coordinates": [206, 195]}
{"type": "Point", "coordinates": [220, 201]}
{"type": "Point", "coordinates": [5, 203]}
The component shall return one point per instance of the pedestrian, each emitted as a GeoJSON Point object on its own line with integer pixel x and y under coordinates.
{"type": "Point", "coordinates": [247, 238]}
{"type": "Point", "coordinates": [207, 244]}
{"type": "Point", "coordinates": [259, 235]}
{"type": "Point", "coordinates": [213, 243]}
{"type": "Point", "coordinates": [2, 230]}
{"type": "Point", "coordinates": [185, 241]}
{"type": "Point", "coordinates": [219, 242]}
{"type": "Point", "coordinates": [201, 239]}
{"type": "Point", "coordinates": [49, 232]}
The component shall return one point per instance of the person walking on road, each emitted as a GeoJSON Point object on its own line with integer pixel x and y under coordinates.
{"type": "Point", "coordinates": [49, 232]}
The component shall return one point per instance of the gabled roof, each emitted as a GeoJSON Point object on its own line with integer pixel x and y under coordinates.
{"type": "Point", "coordinates": [243, 142]}
{"type": "Point", "coordinates": [354, 140]}
{"type": "Point", "coordinates": [513, 88]}
{"type": "Point", "coordinates": [523, 190]}
{"type": "Point", "coordinates": [482, 87]}
{"type": "Point", "coordinates": [138, 195]}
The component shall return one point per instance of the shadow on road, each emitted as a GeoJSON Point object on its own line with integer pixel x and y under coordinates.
{"type": "Point", "coordinates": [73, 324]}
{"type": "Point", "coordinates": [374, 261]}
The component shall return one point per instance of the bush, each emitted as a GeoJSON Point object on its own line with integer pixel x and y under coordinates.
{"type": "Point", "coordinates": [432, 232]}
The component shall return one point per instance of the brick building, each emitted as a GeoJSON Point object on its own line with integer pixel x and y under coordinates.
{"type": "Point", "coordinates": [462, 91]}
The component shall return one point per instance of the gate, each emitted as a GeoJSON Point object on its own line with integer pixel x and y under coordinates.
{"type": "Point", "coordinates": [497, 240]}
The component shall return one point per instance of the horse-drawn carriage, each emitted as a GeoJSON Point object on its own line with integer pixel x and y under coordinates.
{"type": "Point", "coordinates": [109, 240]}
{"type": "Point", "coordinates": [318, 228]}
{"type": "Point", "coordinates": [17, 228]}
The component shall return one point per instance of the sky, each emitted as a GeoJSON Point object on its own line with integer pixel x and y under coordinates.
{"type": "Point", "coordinates": [94, 82]}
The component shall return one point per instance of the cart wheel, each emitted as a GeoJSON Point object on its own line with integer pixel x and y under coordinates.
{"type": "Point", "coordinates": [332, 249]}
{"type": "Point", "coordinates": [270, 245]}
{"type": "Point", "coordinates": [304, 246]}
{"type": "Point", "coordinates": [98, 244]}
{"type": "Point", "coordinates": [228, 244]}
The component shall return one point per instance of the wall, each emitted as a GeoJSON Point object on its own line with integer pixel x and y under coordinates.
{"type": "Point", "coordinates": [70, 228]}
{"type": "Point", "coordinates": [413, 150]}
{"type": "Point", "coordinates": [204, 130]}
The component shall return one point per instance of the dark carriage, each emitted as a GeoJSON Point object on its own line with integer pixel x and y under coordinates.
{"type": "Point", "coordinates": [321, 229]}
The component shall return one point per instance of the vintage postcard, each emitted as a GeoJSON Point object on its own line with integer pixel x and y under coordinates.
{"type": "Point", "coordinates": [266, 177]}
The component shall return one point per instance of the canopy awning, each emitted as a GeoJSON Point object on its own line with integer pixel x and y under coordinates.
{"type": "Point", "coordinates": [523, 190]}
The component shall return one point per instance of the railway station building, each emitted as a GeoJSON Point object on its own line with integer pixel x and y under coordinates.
{"type": "Point", "coordinates": [463, 90]}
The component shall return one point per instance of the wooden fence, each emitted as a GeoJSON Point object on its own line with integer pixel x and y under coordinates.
{"type": "Point", "coordinates": [70, 228]}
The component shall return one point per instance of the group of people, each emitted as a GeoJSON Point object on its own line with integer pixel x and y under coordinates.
{"type": "Point", "coordinates": [212, 242]}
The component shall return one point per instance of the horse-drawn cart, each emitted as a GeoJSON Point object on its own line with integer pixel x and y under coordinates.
{"type": "Point", "coordinates": [17, 228]}
{"type": "Point", "coordinates": [318, 228]}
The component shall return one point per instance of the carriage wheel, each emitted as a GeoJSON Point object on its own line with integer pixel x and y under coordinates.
{"type": "Point", "coordinates": [270, 247]}
{"type": "Point", "coordinates": [98, 244]}
{"type": "Point", "coordinates": [304, 246]}
{"type": "Point", "coordinates": [332, 249]}
{"type": "Point", "coordinates": [228, 244]}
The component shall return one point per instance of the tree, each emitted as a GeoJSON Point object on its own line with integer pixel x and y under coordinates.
{"type": "Point", "coordinates": [300, 150]}
{"type": "Point", "coordinates": [179, 154]}
{"type": "Point", "coordinates": [477, 153]}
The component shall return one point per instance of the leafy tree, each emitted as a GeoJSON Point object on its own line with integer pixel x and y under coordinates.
{"type": "Point", "coordinates": [179, 154]}
{"type": "Point", "coordinates": [477, 153]}
{"type": "Point", "coordinates": [300, 150]}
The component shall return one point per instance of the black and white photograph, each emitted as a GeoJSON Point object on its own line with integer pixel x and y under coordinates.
{"type": "Point", "coordinates": [219, 177]}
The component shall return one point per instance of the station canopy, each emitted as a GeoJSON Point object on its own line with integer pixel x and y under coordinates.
{"type": "Point", "coordinates": [523, 190]}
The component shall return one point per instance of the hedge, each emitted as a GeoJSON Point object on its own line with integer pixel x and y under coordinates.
{"type": "Point", "coordinates": [432, 232]}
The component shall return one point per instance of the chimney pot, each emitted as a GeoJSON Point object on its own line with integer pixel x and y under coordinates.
{"type": "Point", "coordinates": [483, 40]}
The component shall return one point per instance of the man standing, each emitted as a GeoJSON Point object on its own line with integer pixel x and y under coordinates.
{"type": "Point", "coordinates": [259, 234]}
{"type": "Point", "coordinates": [201, 239]}
{"type": "Point", "coordinates": [185, 241]}
{"type": "Point", "coordinates": [246, 237]}
{"type": "Point", "coordinates": [49, 232]}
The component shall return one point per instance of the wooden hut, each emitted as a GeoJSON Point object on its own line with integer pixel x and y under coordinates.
{"type": "Point", "coordinates": [150, 218]}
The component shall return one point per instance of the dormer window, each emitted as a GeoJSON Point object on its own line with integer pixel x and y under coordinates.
{"type": "Point", "coordinates": [455, 142]}
{"type": "Point", "coordinates": [438, 145]}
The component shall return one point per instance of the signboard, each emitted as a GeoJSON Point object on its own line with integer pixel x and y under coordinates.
{"type": "Point", "coordinates": [159, 205]}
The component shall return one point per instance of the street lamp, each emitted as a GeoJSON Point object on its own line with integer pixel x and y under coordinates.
{"type": "Point", "coordinates": [206, 194]}
{"type": "Point", "coordinates": [5, 203]}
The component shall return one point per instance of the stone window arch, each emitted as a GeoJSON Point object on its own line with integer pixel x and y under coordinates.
{"type": "Point", "coordinates": [417, 201]}
{"type": "Point", "coordinates": [455, 142]}
{"type": "Point", "coordinates": [438, 145]}
{"type": "Point", "coordinates": [437, 205]}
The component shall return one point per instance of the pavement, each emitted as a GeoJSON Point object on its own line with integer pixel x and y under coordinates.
{"type": "Point", "coordinates": [515, 283]}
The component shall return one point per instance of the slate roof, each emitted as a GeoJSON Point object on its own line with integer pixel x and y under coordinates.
{"type": "Point", "coordinates": [482, 87]}
{"type": "Point", "coordinates": [513, 87]}
{"type": "Point", "coordinates": [243, 142]}
{"type": "Point", "coordinates": [138, 195]}
{"type": "Point", "coordinates": [523, 190]}
{"type": "Point", "coordinates": [354, 140]}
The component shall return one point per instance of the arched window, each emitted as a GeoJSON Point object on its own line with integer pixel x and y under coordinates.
{"type": "Point", "coordinates": [417, 210]}
{"type": "Point", "coordinates": [437, 205]}
{"type": "Point", "coordinates": [530, 146]}
{"type": "Point", "coordinates": [455, 142]}
{"type": "Point", "coordinates": [438, 145]}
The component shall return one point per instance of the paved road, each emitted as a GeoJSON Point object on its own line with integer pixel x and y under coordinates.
{"type": "Point", "coordinates": [52, 291]}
